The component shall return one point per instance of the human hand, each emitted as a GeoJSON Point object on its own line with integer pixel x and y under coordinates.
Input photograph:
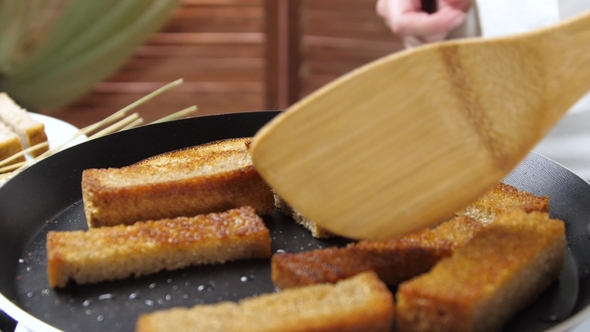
{"type": "Point", "coordinates": [416, 27]}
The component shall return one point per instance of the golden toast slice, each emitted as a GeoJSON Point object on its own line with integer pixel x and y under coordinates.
{"type": "Point", "coordinates": [362, 303]}
{"type": "Point", "coordinates": [206, 178]}
{"type": "Point", "coordinates": [487, 280]}
{"type": "Point", "coordinates": [121, 251]}
{"type": "Point", "coordinates": [29, 131]}
{"type": "Point", "coordinates": [9, 144]}
{"type": "Point", "coordinates": [393, 260]}
{"type": "Point", "coordinates": [397, 260]}
{"type": "Point", "coordinates": [503, 198]}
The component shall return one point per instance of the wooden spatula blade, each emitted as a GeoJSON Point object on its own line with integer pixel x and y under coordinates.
{"type": "Point", "coordinates": [368, 150]}
{"type": "Point", "coordinates": [406, 141]}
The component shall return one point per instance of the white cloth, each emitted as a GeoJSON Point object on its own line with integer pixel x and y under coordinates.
{"type": "Point", "coordinates": [504, 17]}
{"type": "Point", "coordinates": [569, 142]}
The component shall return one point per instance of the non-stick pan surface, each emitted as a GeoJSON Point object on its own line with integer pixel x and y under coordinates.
{"type": "Point", "coordinates": [47, 196]}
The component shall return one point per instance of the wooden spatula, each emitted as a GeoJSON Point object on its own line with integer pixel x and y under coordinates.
{"type": "Point", "coordinates": [406, 141]}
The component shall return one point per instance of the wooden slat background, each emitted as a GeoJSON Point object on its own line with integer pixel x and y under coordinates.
{"type": "Point", "coordinates": [218, 47]}
{"type": "Point", "coordinates": [339, 36]}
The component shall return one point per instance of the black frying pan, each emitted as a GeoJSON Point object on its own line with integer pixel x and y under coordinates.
{"type": "Point", "coordinates": [47, 196]}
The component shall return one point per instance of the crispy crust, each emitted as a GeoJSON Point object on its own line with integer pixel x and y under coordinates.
{"type": "Point", "coordinates": [36, 134]}
{"type": "Point", "coordinates": [486, 281]}
{"type": "Point", "coordinates": [148, 247]}
{"type": "Point", "coordinates": [393, 260]}
{"type": "Point", "coordinates": [179, 183]}
{"type": "Point", "coordinates": [316, 230]}
{"type": "Point", "coordinates": [362, 303]}
{"type": "Point", "coordinates": [502, 198]}
{"type": "Point", "coordinates": [400, 259]}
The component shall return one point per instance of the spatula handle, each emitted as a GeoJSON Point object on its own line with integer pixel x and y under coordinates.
{"type": "Point", "coordinates": [429, 6]}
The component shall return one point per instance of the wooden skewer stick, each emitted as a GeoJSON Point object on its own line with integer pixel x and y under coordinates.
{"type": "Point", "coordinates": [126, 109]}
{"type": "Point", "coordinates": [117, 126]}
{"type": "Point", "coordinates": [12, 167]}
{"type": "Point", "coordinates": [107, 120]}
{"type": "Point", "coordinates": [133, 124]}
{"type": "Point", "coordinates": [23, 152]}
{"type": "Point", "coordinates": [4, 177]}
{"type": "Point", "coordinates": [113, 128]}
{"type": "Point", "coordinates": [178, 114]}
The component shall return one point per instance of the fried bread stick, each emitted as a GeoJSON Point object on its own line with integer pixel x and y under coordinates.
{"type": "Point", "coordinates": [400, 259]}
{"type": "Point", "coordinates": [116, 252]}
{"type": "Point", "coordinates": [487, 280]}
{"type": "Point", "coordinates": [206, 178]}
{"type": "Point", "coordinates": [362, 303]}
{"type": "Point", "coordinates": [393, 260]}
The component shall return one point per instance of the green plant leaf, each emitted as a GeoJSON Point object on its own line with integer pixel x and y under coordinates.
{"type": "Point", "coordinates": [82, 49]}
